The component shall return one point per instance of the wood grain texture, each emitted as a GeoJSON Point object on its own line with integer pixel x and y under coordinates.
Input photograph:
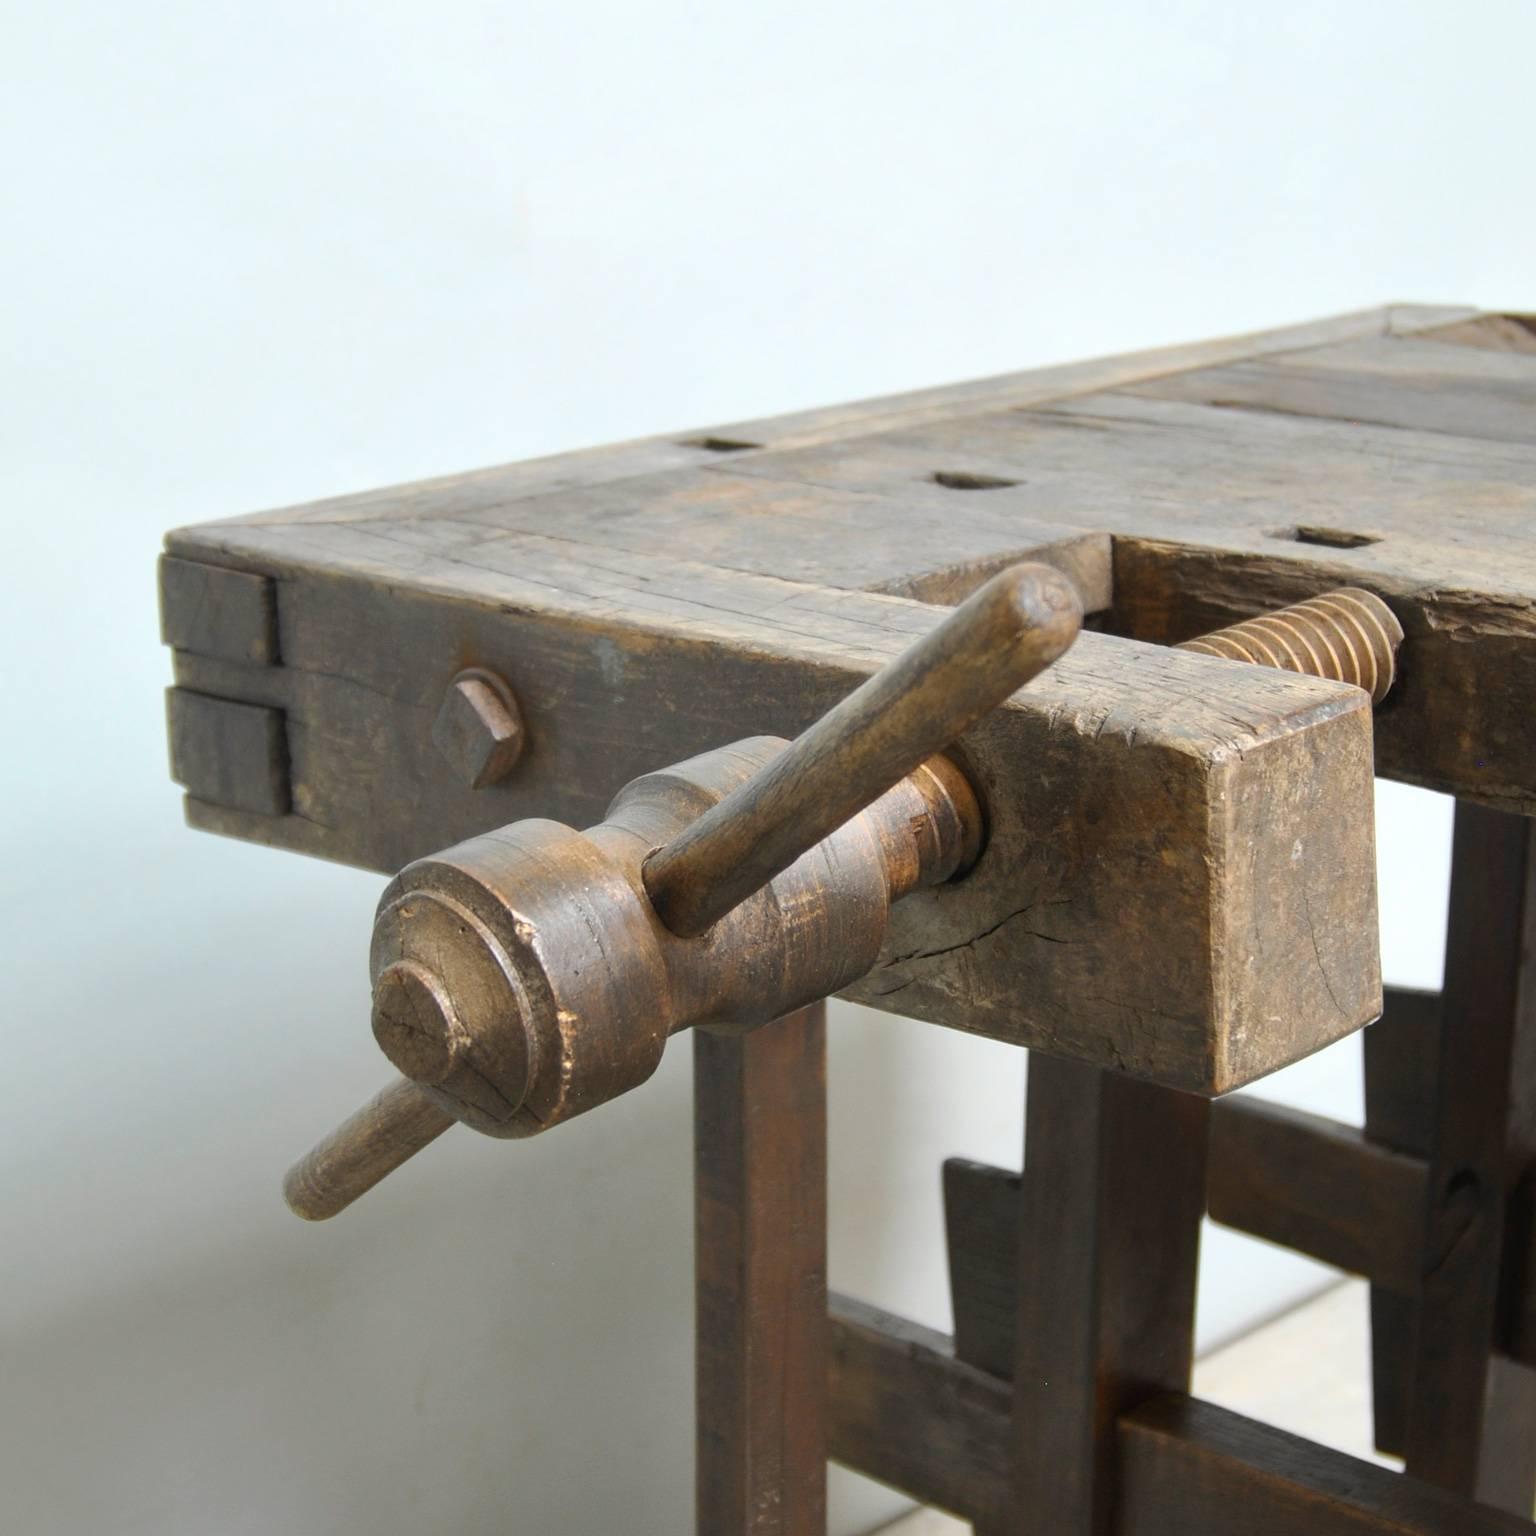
{"type": "Point", "coordinates": [1303, 1181]}
{"type": "Point", "coordinates": [1502, 333]}
{"type": "Point", "coordinates": [1423, 385]}
{"type": "Point", "coordinates": [1221, 514]}
{"type": "Point", "coordinates": [650, 600]}
{"type": "Point", "coordinates": [1146, 808]}
{"type": "Point", "coordinates": [1000, 638]}
{"type": "Point", "coordinates": [487, 488]}
{"type": "Point", "coordinates": [905, 1411]}
{"type": "Point", "coordinates": [760, 1200]}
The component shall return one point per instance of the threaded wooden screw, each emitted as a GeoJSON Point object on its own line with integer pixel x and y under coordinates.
{"type": "Point", "coordinates": [1349, 635]}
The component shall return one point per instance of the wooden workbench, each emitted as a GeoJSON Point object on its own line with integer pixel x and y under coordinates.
{"type": "Point", "coordinates": [1178, 884]}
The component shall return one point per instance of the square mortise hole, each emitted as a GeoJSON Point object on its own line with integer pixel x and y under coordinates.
{"type": "Point", "coordinates": [1333, 538]}
{"type": "Point", "coordinates": [968, 480]}
{"type": "Point", "coordinates": [721, 444]}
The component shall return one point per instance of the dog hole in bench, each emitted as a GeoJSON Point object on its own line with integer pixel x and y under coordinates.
{"type": "Point", "coordinates": [966, 480]}
{"type": "Point", "coordinates": [1332, 538]}
{"type": "Point", "coordinates": [722, 444]}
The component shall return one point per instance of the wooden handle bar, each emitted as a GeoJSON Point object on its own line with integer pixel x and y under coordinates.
{"type": "Point", "coordinates": [1011, 629]}
{"type": "Point", "coordinates": [390, 1128]}
{"type": "Point", "coordinates": [1004, 634]}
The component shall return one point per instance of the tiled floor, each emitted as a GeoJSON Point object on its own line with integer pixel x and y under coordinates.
{"type": "Point", "coordinates": [1307, 1371]}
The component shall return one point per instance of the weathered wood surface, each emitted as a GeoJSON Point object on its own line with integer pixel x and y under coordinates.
{"type": "Point", "coordinates": [1218, 514]}
{"type": "Point", "coordinates": [1184, 842]}
{"type": "Point", "coordinates": [651, 600]}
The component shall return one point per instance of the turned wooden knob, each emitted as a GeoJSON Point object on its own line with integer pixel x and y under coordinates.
{"type": "Point", "coordinates": [530, 974]}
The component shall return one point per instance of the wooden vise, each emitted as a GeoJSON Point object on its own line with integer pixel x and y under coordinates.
{"type": "Point", "coordinates": [1153, 866]}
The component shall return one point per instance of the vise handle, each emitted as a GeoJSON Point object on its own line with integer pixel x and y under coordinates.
{"type": "Point", "coordinates": [534, 972]}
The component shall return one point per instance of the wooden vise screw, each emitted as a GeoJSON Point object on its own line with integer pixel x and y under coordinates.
{"type": "Point", "coordinates": [532, 973]}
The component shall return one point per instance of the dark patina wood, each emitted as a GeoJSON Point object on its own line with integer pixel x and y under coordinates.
{"type": "Point", "coordinates": [1113, 1193]}
{"type": "Point", "coordinates": [1189, 1467]}
{"type": "Point", "coordinates": [904, 1410]}
{"type": "Point", "coordinates": [760, 1258]}
{"type": "Point", "coordinates": [1460, 1387]}
{"type": "Point", "coordinates": [1281, 1174]}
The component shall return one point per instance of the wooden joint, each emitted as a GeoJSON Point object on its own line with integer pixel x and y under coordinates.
{"type": "Point", "coordinates": [229, 754]}
{"type": "Point", "coordinates": [903, 1410]}
{"type": "Point", "coordinates": [211, 610]}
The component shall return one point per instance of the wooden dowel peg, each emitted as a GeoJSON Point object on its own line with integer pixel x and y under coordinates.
{"type": "Point", "coordinates": [390, 1128]}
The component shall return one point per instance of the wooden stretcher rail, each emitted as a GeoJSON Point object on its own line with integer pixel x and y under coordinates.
{"type": "Point", "coordinates": [903, 1410]}
{"type": "Point", "coordinates": [1311, 1184]}
{"type": "Point", "coordinates": [1302, 1181]}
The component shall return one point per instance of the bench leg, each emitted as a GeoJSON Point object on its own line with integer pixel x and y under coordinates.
{"type": "Point", "coordinates": [760, 1170]}
{"type": "Point", "coordinates": [1113, 1193]}
{"type": "Point", "coordinates": [1451, 1080]}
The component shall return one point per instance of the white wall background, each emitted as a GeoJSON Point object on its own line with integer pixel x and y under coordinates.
{"type": "Point", "coordinates": [262, 254]}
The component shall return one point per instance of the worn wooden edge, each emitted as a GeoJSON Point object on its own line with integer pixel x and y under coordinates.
{"type": "Point", "coordinates": [229, 752]}
{"type": "Point", "coordinates": [1113, 1195]}
{"type": "Point", "coordinates": [1460, 1389]}
{"type": "Point", "coordinates": [1166, 591]}
{"type": "Point", "coordinates": [760, 1255]}
{"type": "Point", "coordinates": [1290, 837]}
{"type": "Point", "coordinates": [1087, 561]}
{"type": "Point", "coordinates": [1304, 1182]}
{"type": "Point", "coordinates": [685, 447]}
{"type": "Point", "coordinates": [1498, 332]}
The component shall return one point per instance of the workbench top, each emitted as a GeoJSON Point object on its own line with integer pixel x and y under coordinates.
{"type": "Point", "coordinates": [656, 598]}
